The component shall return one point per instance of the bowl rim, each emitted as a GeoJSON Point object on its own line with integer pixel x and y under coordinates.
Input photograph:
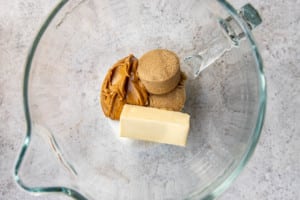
{"type": "Point", "coordinates": [218, 186]}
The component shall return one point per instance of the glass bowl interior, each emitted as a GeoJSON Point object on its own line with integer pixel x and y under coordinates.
{"type": "Point", "coordinates": [72, 148]}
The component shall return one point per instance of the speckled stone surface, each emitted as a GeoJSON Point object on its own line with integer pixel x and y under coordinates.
{"type": "Point", "coordinates": [274, 170]}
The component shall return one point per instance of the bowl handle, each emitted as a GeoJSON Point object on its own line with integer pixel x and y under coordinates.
{"type": "Point", "coordinates": [230, 37]}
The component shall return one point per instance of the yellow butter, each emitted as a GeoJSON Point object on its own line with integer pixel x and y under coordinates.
{"type": "Point", "coordinates": [156, 125]}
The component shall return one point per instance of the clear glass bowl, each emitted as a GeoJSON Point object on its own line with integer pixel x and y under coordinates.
{"type": "Point", "coordinates": [72, 148]}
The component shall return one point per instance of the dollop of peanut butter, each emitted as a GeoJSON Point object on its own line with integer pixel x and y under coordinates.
{"type": "Point", "coordinates": [122, 86]}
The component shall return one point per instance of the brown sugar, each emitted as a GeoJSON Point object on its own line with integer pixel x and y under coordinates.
{"type": "Point", "coordinates": [173, 100]}
{"type": "Point", "coordinates": [122, 85]}
{"type": "Point", "coordinates": [159, 71]}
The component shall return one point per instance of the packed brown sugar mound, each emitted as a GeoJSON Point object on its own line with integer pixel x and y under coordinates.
{"type": "Point", "coordinates": [173, 100]}
{"type": "Point", "coordinates": [159, 71]}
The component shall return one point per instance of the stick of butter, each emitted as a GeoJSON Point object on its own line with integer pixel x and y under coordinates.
{"type": "Point", "coordinates": [153, 124]}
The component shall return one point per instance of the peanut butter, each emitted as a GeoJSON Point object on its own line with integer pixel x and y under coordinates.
{"type": "Point", "coordinates": [122, 86]}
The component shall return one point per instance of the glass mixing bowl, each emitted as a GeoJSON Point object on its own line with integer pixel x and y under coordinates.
{"type": "Point", "coordinates": [71, 148]}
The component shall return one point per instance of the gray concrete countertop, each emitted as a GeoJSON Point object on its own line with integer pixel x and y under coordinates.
{"type": "Point", "coordinates": [274, 170]}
